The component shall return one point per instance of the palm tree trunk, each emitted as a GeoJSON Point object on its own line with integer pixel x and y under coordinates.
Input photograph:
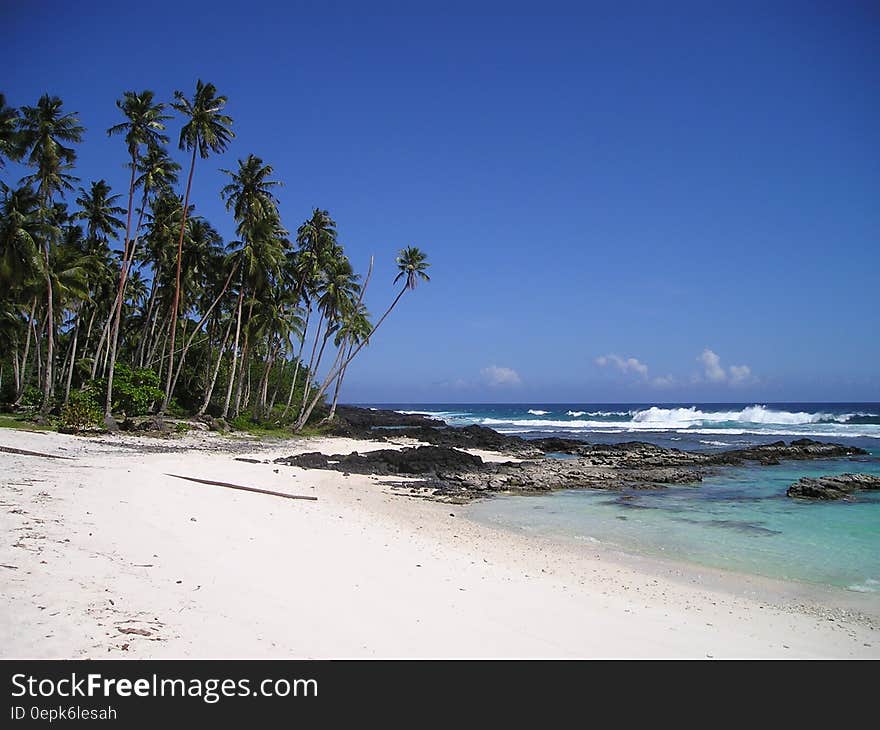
{"type": "Point", "coordinates": [24, 358]}
{"type": "Point", "coordinates": [50, 331]}
{"type": "Point", "coordinates": [234, 354]}
{"type": "Point", "coordinates": [176, 303]}
{"type": "Point", "coordinates": [334, 371]}
{"type": "Point", "coordinates": [72, 360]}
{"type": "Point", "coordinates": [210, 390]}
{"type": "Point", "coordinates": [89, 330]}
{"type": "Point", "coordinates": [310, 375]}
{"type": "Point", "coordinates": [332, 413]}
{"type": "Point", "coordinates": [156, 338]}
{"type": "Point", "coordinates": [147, 330]}
{"type": "Point", "coordinates": [264, 383]}
{"type": "Point", "coordinates": [245, 365]}
{"type": "Point", "coordinates": [120, 295]}
{"type": "Point", "coordinates": [38, 347]}
{"type": "Point", "coordinates": [198, 327]}
{"type": "Point", "coordinates": [278, 379]}
{"type": "Point", "coordinates": [16, 369]}
{"type": "Point", "coordinates": [302, 343]}
{"type": "Point", "coordinates": [105, 332]}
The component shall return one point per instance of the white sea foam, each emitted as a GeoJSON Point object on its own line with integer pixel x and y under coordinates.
{"type": "Point", "coordinates": [575, 414]}
{"type": "Point", "coordinates": [868, 586]}
{"type": "Point", "coordinates": [434, 414]}
{"type": "Point", "coordinates": [687, 427]}
{"type": "Point", "coordinates": [757, 414]}
{"type": "Point", "coordinates": [538, 413]}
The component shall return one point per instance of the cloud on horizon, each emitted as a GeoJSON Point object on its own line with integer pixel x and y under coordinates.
{"type": "Point", "coordinates": [496, 376]}
{"type": "Point", "coordinates": [624, 364]}
{"type": "Point", "coordinates": [714, 371]}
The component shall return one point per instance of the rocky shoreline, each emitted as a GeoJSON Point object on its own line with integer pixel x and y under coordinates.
{"type": "Point", "coordinates": [447, 472]}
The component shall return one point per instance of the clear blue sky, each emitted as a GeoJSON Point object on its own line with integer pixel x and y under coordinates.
{"type": "Point", "coordinates": [593, 182]}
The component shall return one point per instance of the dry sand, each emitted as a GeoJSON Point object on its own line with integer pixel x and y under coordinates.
{"type": "Point", "coordinates": [103, 555]}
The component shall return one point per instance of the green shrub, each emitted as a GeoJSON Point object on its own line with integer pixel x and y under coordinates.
{"type": "Point", "coordinates": [134, 389]}
{"type": "Point", "coordinates": [81, 412]}
{"type": "Point", "coordinates": [32, 397]}
{"type": "Point", "coordinates": [181, 427]}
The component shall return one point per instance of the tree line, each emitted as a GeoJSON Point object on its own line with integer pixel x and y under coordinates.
{"type": "Point", "coordinates": [128, 303]}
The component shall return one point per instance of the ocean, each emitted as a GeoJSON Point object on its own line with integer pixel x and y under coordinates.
{"type": "Point", "coordinates": [738, 519]}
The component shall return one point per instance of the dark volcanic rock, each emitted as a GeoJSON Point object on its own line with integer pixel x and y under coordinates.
{"type": "Point", "coordinates": [836, 487]}
{"type": "Point", "coordinates": [418, 460]}
{"type": "Point", "coordinates": [470, 437]}
{"type": "Point", "coordinates": [357, 422]}
{"type": "Point", "coordinates": [769, 454]}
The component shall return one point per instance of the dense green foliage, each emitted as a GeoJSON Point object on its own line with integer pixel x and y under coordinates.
{"type": "Point", "coordinates": [131, 303]}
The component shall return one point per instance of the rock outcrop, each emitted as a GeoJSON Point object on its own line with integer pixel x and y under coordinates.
{"type": "Point", "coordinates": [450, 473]}
{"type": "Point", "coordinates": [834, 487]}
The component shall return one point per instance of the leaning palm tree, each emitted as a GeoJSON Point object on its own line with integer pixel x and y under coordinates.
{"type": "Point", "coordinates": [207, 130]}
{"type": "Point", "coordinates": [356, 328]}
{"type": "Point", "coordinates": [43, 131]}
{"type": "Point", "coordinates": [143, 127]}
{"type": "Point", "coordinates": [412, 265]}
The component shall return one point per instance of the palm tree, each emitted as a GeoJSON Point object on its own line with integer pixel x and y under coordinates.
{"type": "Point", "coordinates": [19, 237]}
{"type": "Point", "coordinates": [143, 128]}
{"type": "Point", "coordinates": [157, 179]}
{"type": "Point", "coordinates": [356, 328]}
{"type": "Point", "coordinates": [21, 265]}
{"type": "Point", "coordinates": [337, 293]}
{"type": "Point", "coordinates": [255, 208]}
{"type": "Point", "coordinates": [9, 139]}
{"type": "Point", "coordinates": [412, 265]}
{"type": "Point", "coordinates": [43, 130]}
{"type": "Point", "coordinates": [207, 130]}
{"type": "Point", "coordinates": [249, 195]}
{"type": "Point", "coordinates": [97, 209]}
{"type": "Point", "coordinates": [262, 257]}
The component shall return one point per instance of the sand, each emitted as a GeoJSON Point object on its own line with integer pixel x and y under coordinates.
{"type": "Point", "coordinates": [104, 555]}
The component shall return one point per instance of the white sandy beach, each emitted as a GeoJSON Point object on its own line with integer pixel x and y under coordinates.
{"type": "Point", "coordinates": [106, 542]}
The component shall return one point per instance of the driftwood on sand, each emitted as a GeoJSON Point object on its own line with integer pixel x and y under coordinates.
{"type": "Point", "coordinates": [244, 489]}
{"type": "Point", "coordinates": [25, 452]}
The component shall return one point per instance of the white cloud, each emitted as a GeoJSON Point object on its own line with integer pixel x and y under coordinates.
{"type": "Point", "coordinates": [714, 371]}
{"type": "Point", "coordinates": [712, 366]}
{"type": "Point", "coordinates": [624, 364]}
{"type": "Point", "coordinates": [740, 374]}
{"type": "Point", "coordinates": [496, 376]}
{"type": "Point", "coordinates": [664, 381]}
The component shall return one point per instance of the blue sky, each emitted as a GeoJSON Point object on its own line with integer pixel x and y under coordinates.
{"type": "Point", "coordinates": [621, 201]}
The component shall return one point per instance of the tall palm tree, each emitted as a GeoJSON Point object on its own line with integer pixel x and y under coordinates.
{"type": "Point", "coordinates": [9, 138]}
{"type": "Point", "coordinates": [255, 209]}
{"type": "Point", "coordinates": [158, 176]}
{"type": "Point", "coordinates": [412, 265]}
{"type": "Point", "coordinates": [44, 130]}
{"type": "Point", "coordinates": [207, 130]}
{"type": "Point", "coordinates": [143, 127]}
{"type": "Point", "coordinates": [262, 257]}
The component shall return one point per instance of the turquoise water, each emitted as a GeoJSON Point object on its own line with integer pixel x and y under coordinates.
{"type": "Point", "coordinates": [738, 520]}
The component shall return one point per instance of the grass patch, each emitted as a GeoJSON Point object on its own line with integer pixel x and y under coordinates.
{"type": "Point", "coordinates": [16, 420]}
